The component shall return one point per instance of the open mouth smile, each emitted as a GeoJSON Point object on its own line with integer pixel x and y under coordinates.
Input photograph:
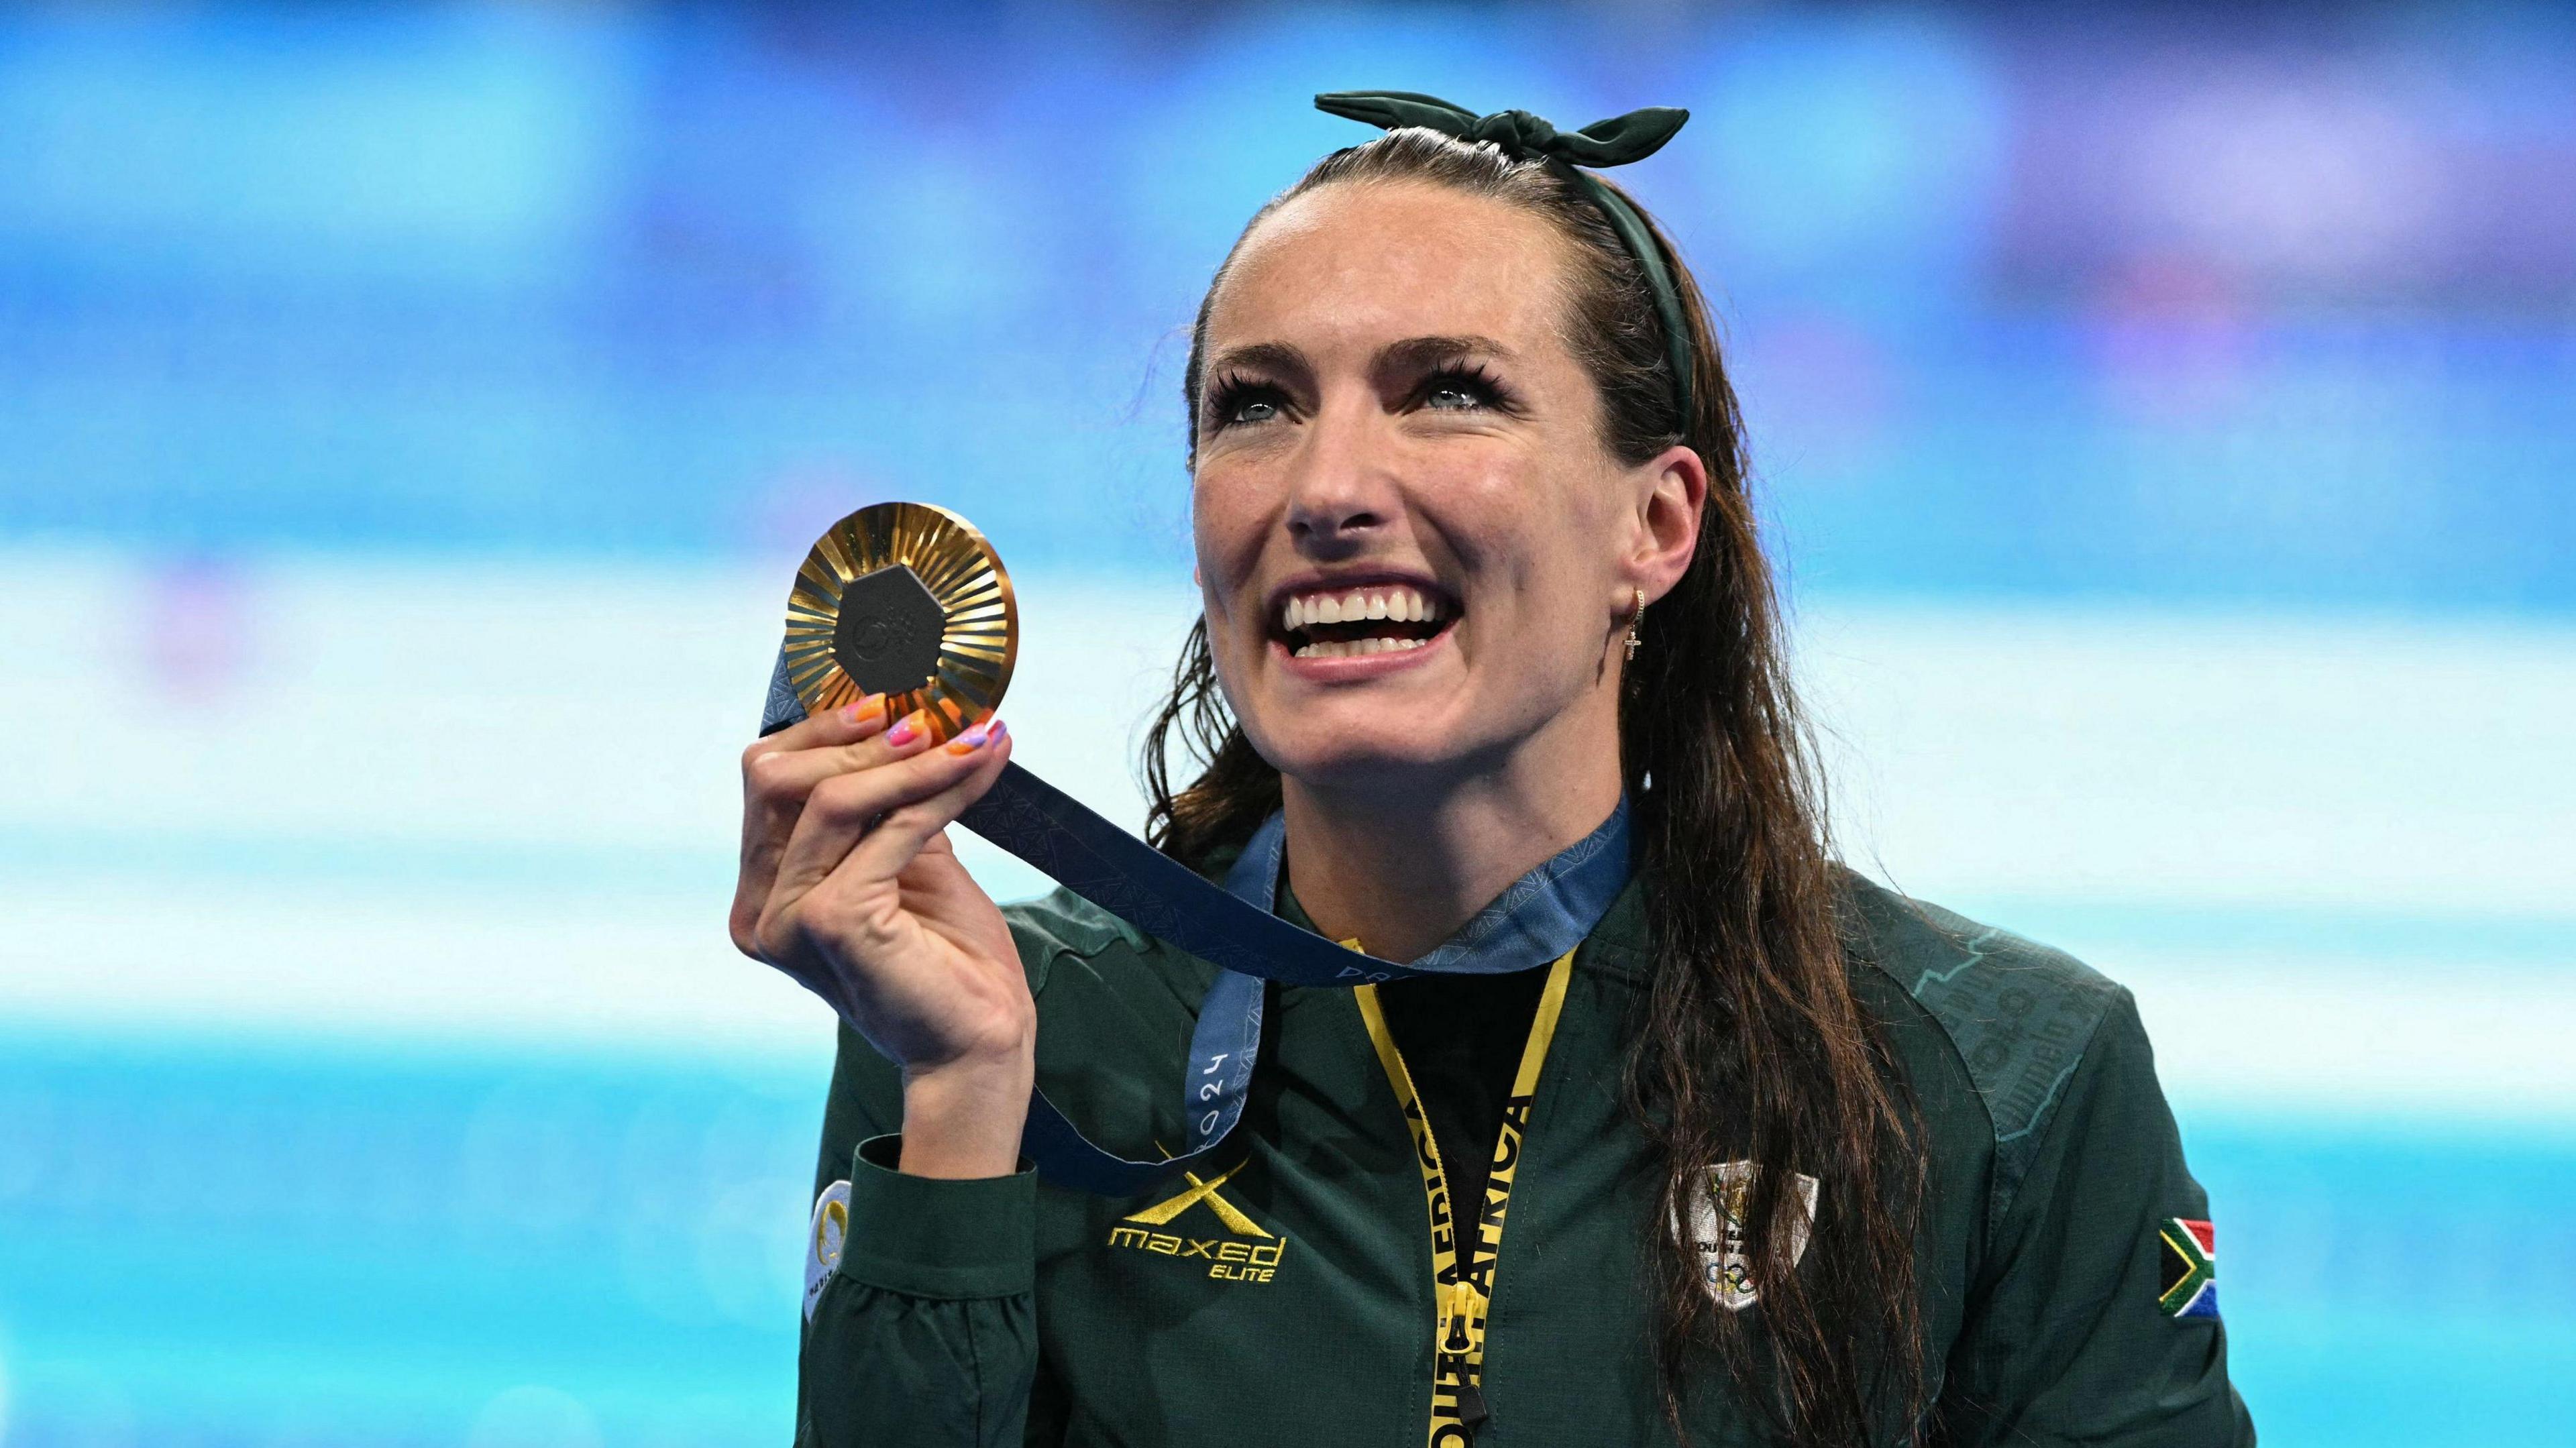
{"type": "Point", "coordinates": [1346, 621]}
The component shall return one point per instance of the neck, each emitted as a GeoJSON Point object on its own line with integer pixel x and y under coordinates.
{"type": "Point", "coordinates": [1402, 868]}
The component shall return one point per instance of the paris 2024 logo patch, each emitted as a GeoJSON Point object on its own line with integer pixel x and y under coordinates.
{"type": "Point", "coordinates": [823, 1241]}
{"type": "Point", "coordinates": [1719, 1228]}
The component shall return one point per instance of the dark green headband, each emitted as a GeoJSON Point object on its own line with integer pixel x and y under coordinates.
{"type": "Point", "coordinates": [1522, 136]}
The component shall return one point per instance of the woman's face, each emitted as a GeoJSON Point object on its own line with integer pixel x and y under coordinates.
{"type": "Point", "coordinates": [1414, 550]}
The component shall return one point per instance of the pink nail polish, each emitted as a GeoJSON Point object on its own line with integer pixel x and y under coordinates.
{"type": "Point", "coordinates": [904, 731]}
{"type": "Point", "coordinates": [994, 731]}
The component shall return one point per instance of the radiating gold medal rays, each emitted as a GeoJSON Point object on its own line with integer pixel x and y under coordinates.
{"type": "Point", "coordinates": [907, 600]}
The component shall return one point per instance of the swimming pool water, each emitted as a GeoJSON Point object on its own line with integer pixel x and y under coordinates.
{"type": "Point", "coordinates": [322, 1243]}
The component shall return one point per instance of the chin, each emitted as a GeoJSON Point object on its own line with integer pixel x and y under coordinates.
{"type": "Point", "coordinates": [1342, 745]}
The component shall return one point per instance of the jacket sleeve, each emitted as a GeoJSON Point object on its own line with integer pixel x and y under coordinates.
{"type": "Point", "coordinates": [2094, 1319]}
{"type": "Point", "coordinates": [921, 1324]}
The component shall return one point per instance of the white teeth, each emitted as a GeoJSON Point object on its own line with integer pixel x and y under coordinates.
{"type": "Point", "coordinates": [1397, 605]}
{"type": "Point", "coordinates": [1352, 648]}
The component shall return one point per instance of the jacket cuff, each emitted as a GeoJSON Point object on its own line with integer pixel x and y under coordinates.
{"type": "Point", "coordinates": [938, 1238]}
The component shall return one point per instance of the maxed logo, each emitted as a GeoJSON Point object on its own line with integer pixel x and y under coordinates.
{"type": "Point", "coordinates": [1249, 1255]}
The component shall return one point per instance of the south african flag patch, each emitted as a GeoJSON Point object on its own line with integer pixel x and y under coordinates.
{"type": "Point", "coordinates": [2191, 1268]}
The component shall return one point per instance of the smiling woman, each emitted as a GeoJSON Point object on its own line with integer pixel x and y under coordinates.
{"type": "Point", "coordinates": [1784, 1156]}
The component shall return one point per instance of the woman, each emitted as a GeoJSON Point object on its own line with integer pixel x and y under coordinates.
{"type": "Point", "coordinates": [1772, 1155]}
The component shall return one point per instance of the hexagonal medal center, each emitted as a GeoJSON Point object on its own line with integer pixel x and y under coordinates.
{"type": "Point", "coordinates": [887, 639]}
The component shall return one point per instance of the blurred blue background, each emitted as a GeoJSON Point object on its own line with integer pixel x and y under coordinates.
{"type": "Point", "coordinates": [410, 418]}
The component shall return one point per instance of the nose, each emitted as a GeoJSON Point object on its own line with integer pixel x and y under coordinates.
{"type": "Point", "coordinates": [1340, 497]}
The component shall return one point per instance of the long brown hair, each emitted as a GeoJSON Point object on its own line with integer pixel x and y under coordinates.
{"type": "Point", "coordinates": [1750, 1044]}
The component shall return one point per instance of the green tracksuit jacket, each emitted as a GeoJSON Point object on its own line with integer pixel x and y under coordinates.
{"type": "Point", "coordinates": [1290, 1299]}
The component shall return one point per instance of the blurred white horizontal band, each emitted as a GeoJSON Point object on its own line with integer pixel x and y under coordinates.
{"type": "Point", "coordinates": [2268, 1029]}
{"type": "Point", "coordinates": [497, 801]}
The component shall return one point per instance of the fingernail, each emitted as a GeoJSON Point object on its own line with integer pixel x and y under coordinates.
{"type": "Point", "coordinates": [906, 730]}
{"type": "Point", "coordinates": [859, 709]}
{"type": "Point", "coordinates": [968, 742]}
{"type": "Point", "coordinates": [994, 731]}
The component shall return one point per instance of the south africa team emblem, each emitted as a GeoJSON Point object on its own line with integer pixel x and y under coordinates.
{"type": "Point", "coordinates": [2190, 1253]}
{"type": "Point", "coordinates": [1718, 1229]}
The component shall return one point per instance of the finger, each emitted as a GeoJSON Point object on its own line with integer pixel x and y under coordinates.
{"type": "Point", "coordinates": [782, 780]}
{"type": "Point", "coordinates": [903, 876]}
{"type": "Point", "coordinates": [857, 719]}
{"type": "Point", "coordinates": [777, 774]}
{"type": "Point", "coordinates": [906, 829]}
{"type": "Point", "coordinates": [846, 807]}
{"type": "Point", "coordinates": [777, 786]}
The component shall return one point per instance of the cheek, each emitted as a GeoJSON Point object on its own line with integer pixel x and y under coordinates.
{"type": "Point", "coordinates": [1548, 572]}
{"type": "Point", "coordinates": [1227, 523]}
{"type": "Point", "coordinates": [1535, 528]}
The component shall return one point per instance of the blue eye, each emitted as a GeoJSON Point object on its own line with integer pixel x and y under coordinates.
{"type": "Point", "coordinates": [1242, 402]}
{"type": "Point", "coordinates": [1461, 388]}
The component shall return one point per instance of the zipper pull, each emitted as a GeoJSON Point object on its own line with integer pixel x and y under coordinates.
{"type": "Point", "coordinates": [1461, 1308]}
{"type": "Point", "coordinates": [1471, 1408]}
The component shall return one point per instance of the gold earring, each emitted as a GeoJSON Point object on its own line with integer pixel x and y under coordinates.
{"type": "Point", "coordinates": [1635, 619]}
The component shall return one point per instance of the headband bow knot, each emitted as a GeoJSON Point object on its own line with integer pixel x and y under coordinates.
{"type": "Point", "coordinates": [1523, 136]}
{"type": "Point", "coordinates": [1614, 142]}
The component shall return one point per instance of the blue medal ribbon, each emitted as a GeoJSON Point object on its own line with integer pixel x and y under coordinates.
{"type": "Point", "coordinates": [1544, 914]}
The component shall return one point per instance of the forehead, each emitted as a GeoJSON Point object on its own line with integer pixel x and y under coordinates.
{"type": "Point", "coordinates": [1355, 265]}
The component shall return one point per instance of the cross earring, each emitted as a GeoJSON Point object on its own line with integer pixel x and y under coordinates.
{"type": "Point", "coordinates": [1634, 619]}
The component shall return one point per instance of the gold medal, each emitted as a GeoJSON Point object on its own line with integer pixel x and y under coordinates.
{"type": "Point", "coordinates": [905, 600]}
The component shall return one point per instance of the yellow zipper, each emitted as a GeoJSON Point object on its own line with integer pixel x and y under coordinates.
{"type": "Point", "coordinates": [1463, 1281]}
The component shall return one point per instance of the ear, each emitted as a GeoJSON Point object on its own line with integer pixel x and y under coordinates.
{"type": "Point", "coordinates": [1672, 490]}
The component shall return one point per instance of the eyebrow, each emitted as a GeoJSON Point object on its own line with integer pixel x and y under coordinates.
{"type": "Point", "coordinates": [1421, 351]}
{"type": "Point", "coordinates": [1274, 357]}
{"type": "Point", "coordinates": [1291, 364]}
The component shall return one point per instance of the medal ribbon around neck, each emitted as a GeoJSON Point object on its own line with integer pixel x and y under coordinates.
{"type": "Point", "coordinates": [855, 604]}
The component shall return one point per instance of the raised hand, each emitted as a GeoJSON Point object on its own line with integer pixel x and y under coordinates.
{"type": "Point", "coordinates": [849, 885]}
